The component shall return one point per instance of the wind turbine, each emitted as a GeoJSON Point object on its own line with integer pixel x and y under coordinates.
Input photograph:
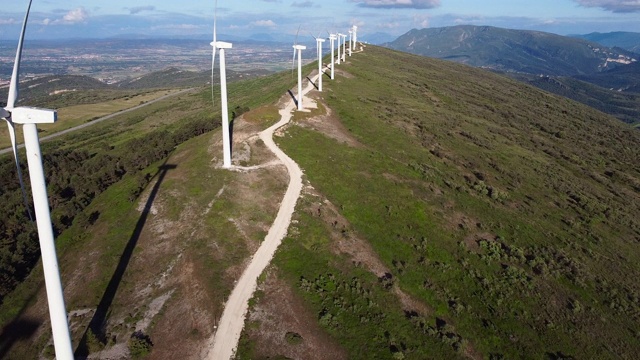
{"type": "Point", "coordinates": [220, 45]}
{"type": "Point", "coordinates": [297, 50]}
{"type": "Point", "coordinates": [332, 40]}
{"type": "Point", "coordinates": [350, 41]}
{"type": "Point", "coordinates": [319, 42]}
{"type": "Point", "coordinates": [29, 117]}
{"type": "Point", "coordinates": [355, 37]}
{"type": "Point", "coordinates": [339, 45]}
{"type": "Point", "coordinates": [344, 46]}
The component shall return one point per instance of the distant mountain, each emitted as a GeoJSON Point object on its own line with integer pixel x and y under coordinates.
{"type": "Point", "coordinates": [508, 50]}
{"type": "Point", "coordinates": [177, 78]}
{"type": "Point", "coordinates": [626, 40]}
{"type": "Point", "coordinates": [35, 88]}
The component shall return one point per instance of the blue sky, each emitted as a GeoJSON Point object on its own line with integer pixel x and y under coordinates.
{"type": "Point", "coordinates": [101, 18]}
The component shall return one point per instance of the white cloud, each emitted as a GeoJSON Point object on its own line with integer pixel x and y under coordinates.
{"type": "Point", "coordinates": [388, 4]}
{"type": "Point", "coordinates": [178, 27]}
{"type": "Point", "coordinates": [421, 21]}
{"type": "Point", "coordinates": [74, 16]}
{"type": "Point", "coordinates": [618, 6]}
{"type": "Point", "coordinates": [264, 23]}
{"type": "Point", "coordinates": [9, 21]}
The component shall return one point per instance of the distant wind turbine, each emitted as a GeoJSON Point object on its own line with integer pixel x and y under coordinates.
{"type": "Point", "coordinates": [355, 37]}
{"type": "Point", "coordinates": [319, 42]}
{"type": "Point", "coordinates": [344, 47]}
{"type": "Point", "coordinates": [339, 45]}
{"type": "Point", "coordinates": [297, 51]}
{"type": "Point", "coordinates": [332, 41]}
{"type": "Point", "coordinates": [350, 41]}
{"type": "Point", "coordinates": [29, 117]}
{"type": "Point", "coordinates": [220, 45]}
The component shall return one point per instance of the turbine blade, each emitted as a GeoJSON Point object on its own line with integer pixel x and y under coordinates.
{"type": "Point", "coordinates": [213, 54]}
{"type": "Point", "coordinates": [14, 146]}
{"type": "Point", "coordinates": [215, 22]}
{"type": "Point", "coordinates": [297, 33]}
{"type": "Point", "coordinates": [13, 86]}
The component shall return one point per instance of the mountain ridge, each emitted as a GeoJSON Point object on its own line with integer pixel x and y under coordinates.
{"type": "Point", "coordinates": [509, 50]}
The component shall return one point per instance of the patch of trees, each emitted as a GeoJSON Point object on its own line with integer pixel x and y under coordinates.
{"type": "Point", "coordinates": [75, 177]}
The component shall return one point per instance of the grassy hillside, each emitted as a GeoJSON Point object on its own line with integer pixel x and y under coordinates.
{"type": "Point", "coordinates": [624, 105]}
{"type": "Point", "coordinates": [454, 213]}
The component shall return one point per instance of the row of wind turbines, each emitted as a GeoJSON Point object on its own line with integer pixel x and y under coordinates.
{"type": "Point", "coordinates": [297, 53]}
{"type": "Point", "coordinates": [342, 43]}
{"type": "Point", "coordinates": [29, 117]}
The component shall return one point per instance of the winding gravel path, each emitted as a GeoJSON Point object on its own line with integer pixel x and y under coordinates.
{"type": "Point", "coordinates": [224, 343]}
{"type": "Point", "coordinates": [90, 123]}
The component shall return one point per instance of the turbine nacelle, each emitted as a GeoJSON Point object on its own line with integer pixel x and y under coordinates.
{"type": "Point", "coordinates": [299, 47]}
{"type": "Point", "coordinates": [221, 45]}
{"type": "Point", "coordinates": [31, 115]}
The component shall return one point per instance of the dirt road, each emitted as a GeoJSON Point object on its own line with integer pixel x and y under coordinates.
{"type": "Point", "coordinates": [225, 341]}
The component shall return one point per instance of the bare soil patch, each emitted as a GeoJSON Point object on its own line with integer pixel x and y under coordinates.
{"type": "Point", "coordinates": [331, 126]}
{"type": "Point", "coordinates": [278, 316]}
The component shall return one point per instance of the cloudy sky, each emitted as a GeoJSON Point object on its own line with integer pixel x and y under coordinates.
{"type": "Point", "coordinates": [102, 18]}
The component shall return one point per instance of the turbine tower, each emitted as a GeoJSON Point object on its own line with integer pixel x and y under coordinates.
{"type": "Point", "coordinates": [344, 47]}
{"type": "Point", "coordinates": [339, 45]}
{"type": "Point", "coordinates": [350, 41]}
{"type": "Point", "coordinates": [332, 40]}
{"type": "Point", "coordinates": [220, 45]}
{"type": "Point", "coordinates": [355, 37]}
{"type": "Point", "coordinates": [297, 50]}
{"type": "Point", "coordinates": [29, 117]}
{"type": "Point", "coordinates": [319, 42]}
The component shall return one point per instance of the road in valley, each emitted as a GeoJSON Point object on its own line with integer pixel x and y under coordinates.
{"type": "Point", "coordinates": [93, 122]}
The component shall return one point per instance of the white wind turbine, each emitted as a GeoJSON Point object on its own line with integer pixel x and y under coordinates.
{"type": "Point", "coordinates": [355, 37]}
{"type": "Point", "coordinates": [29, 117]}
{"type": "Point", "coordinates": [339, 45]}
{"type": "Point", "coordinates": [297, 51]}
{"type": "Point", "coordinates": [332, 41]}
{"type": "Point", "coordinates": [350, 41]}
{"type": "Point", "coordinates": [319, 42]}
{"type": "Point", "coordinates": [220, 45]}
{"type": "Point", "coordinates": [344, 46]}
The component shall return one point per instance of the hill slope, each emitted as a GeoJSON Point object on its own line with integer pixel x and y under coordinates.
{"type": "Point", "coordinates": [510, 50]}
{"type": "Point", "coordinates": [626, 40]}
{"type": "Point", "coordinates": [454, 213]}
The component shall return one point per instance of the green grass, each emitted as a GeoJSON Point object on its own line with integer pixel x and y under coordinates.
{"type": "Point", "coordinates": [453, 154]}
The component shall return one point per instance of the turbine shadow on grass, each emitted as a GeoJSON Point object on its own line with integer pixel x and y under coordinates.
{"type": "Point", "coordinates": [293, 97]}
{"type": "Point", "coordinates": [20, 327]}
{"type": "Point", "coordinates": [314, 84]}
{"type": "Point", "coordinates": [98, 321]}
{"type": "Point", "coordinates": [231, 125]}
